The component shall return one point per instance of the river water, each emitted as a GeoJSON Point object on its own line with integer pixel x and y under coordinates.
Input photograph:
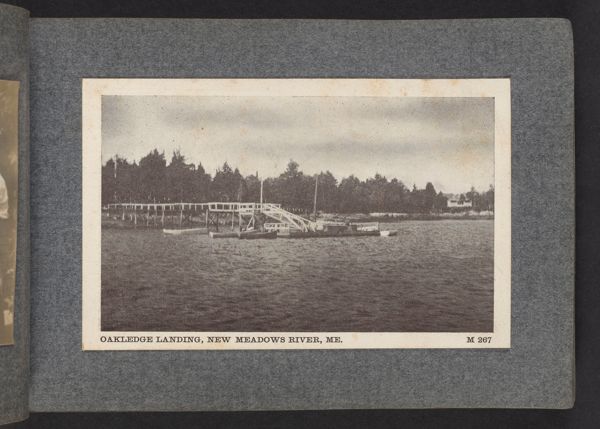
{"type": "Point", "coordinates": [434, 276]}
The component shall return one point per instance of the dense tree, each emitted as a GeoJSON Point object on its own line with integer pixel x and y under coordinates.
{"type": "Point", "coordinates": [120, 181]}
{"type": "Point", "coordinates": [252, 189]}
{"type": "Point", "coordinates": [109, 183]}
{"type": "Point", "coordinates": [440, 202]}
{"type": "Point", "coordinates": [202, 185]}
{"type": "Point", "coordinates": [429, 195]}
{"type": "Point", "coordinates": [351, 195]}
{"type": "Point", "coordinates": [327, 193]}
{"type": "Point", "coordinates": [395, 195]}
{"type": "Point", "coordinates": [152, 180]}
{"type": "Point", "coordinates": [226, 184]}
{"type": "Point", "coordinates": [180, 179]}
{"type": "Point", "coordinates": [486, 201]}
{"type": "Point", "coordinates": [376, 188]}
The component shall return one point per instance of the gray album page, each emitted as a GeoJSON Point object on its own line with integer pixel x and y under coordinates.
{"type": "Point", "coordinates": [534, 369]}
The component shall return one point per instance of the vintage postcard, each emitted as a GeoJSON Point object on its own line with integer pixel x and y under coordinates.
{"type": "Point", "coordinates": [296, 213]}
{"type": "Point", "coordinates": [9, 184]}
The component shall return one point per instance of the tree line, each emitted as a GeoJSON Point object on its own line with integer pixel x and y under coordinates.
{"type": "Point", "coordinates": [153, 180]}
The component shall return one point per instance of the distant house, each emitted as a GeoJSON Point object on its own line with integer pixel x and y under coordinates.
{"type": "Point", "coordinates": [456, 203]}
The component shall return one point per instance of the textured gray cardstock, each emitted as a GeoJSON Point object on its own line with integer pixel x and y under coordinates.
{"type": "Point", "coordinates": [14, 359]}
{"type": "Point", "coordinates": [536, 372]}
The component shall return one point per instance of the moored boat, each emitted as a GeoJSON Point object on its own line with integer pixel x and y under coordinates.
{"type": "Point", "coordinates": [328, 234]}
{"type": "Point", "coordinates": [255, 235]}
{"type": "Point", "coordinates": [215, 234]}
{"type": "Point", "coordinates": [184, 231]}
{"type": "Point", "coordinates": [388, 233]}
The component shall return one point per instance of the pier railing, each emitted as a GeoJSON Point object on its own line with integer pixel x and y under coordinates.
{"type": "Point", "coordinates": [180, 214]}
{"type": "Point", "coordinates": [222, 207]}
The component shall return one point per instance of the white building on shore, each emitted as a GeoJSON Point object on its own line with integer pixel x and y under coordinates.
{"type": "Point", "coordinates": [457, 203]}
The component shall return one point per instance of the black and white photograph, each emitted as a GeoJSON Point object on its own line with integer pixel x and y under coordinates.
{"type": "Point", "coordinates": [327, 212]}
{"type": "Point", "coordinates": [9, 156]}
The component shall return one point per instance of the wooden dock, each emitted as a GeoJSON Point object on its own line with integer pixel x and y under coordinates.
{"type": "Point", "coordinates": [220, 217]}
{"type": "Point", "coordinates": [212, 216]}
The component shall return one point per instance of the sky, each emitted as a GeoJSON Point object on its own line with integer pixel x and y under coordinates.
{"type": "Point", "coordinates": [446, 141]}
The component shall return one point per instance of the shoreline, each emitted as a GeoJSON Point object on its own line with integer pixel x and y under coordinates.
{"type": "Point", "coordinates": [112, 223]}
{"type": "Point", "coordinates": [399, 217]}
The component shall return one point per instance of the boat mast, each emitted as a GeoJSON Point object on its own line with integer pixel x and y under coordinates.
{"type": "Point", "coordinates": [315, 201]}
{"type": "Point", "coordinates": [261, 193]}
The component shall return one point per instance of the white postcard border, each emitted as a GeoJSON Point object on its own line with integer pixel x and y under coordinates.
{"type": "Point", "coordinates": [93, 338]}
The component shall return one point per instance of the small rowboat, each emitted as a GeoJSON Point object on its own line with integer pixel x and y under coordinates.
{"type": "Point", "coordinates": [185, 231]}
{"type": "Point", "coordinates": [389, 233]}
{"type": "Point", "coordinates": [255, 235]}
